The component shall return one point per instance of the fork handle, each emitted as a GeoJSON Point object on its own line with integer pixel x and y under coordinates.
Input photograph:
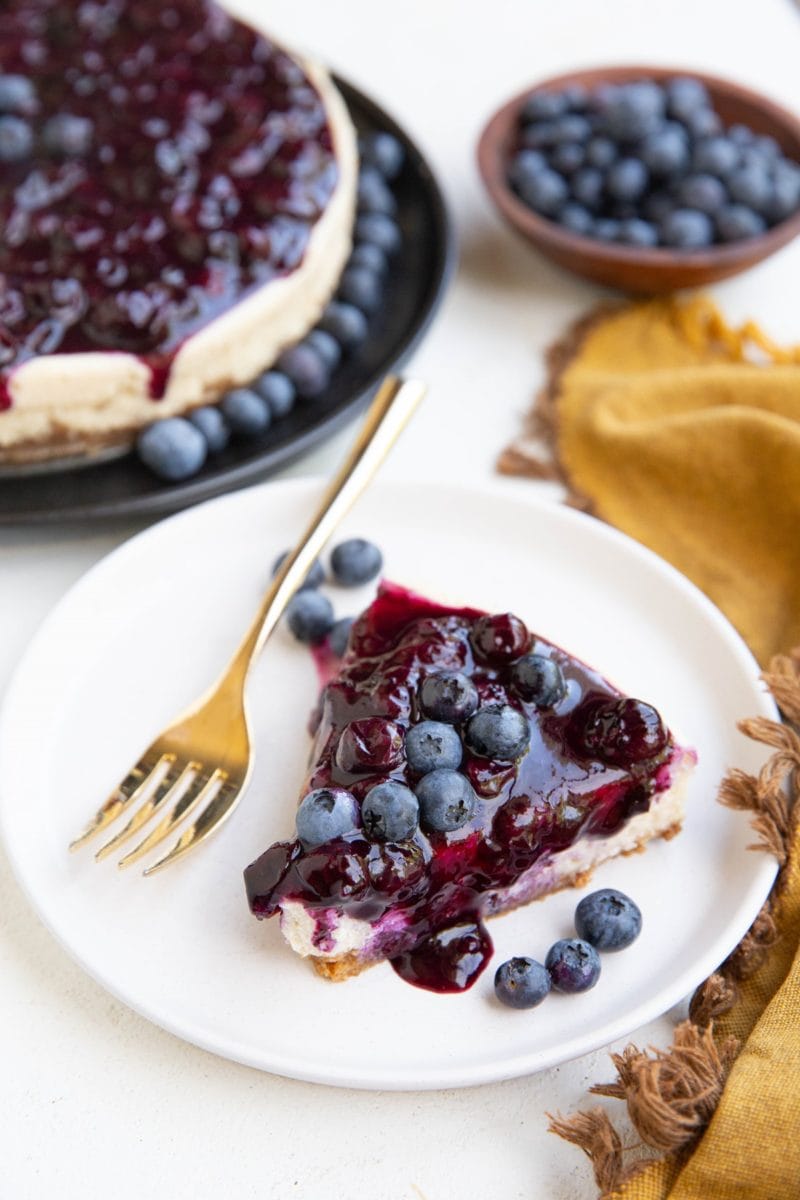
{"type": "Point", "coordinates": [387, 416]}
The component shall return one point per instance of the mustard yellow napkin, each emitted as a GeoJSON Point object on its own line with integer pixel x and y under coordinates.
{"type": "Point", "coordinates": [685, 434]}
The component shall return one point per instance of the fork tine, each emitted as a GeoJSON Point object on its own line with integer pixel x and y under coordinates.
{"type": "Point", "coordinates": [200, 791]}
{"type": "Point", "coordinates": [211, 817]}
{"type": "Point", "coordinates": [137, 785]}
{"type": "Point", "coordinates": [168, 790]}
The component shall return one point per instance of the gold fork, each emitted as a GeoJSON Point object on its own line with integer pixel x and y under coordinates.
{"type": "Point", "coordinates": [204, 760]}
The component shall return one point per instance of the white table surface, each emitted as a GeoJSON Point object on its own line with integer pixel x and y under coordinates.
{"type": "Point", "coordinates": [97, 1102]}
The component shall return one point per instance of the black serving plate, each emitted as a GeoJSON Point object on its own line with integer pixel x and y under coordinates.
{"type": "Point", "coordinates": [122, 487]}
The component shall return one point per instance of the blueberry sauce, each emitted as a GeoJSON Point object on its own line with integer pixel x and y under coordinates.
{"type": "Point", "coordinates": [208, 162]}
{"type": "Point", "coordinates": [437, 888]}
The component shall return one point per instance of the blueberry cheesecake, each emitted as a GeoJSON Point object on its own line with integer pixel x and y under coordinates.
{"type": "Point", "coordinates": [461, 766]}
{"type": "Point", "coordinates": [177, 197]}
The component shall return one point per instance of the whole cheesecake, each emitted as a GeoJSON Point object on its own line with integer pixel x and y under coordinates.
{"type": "Point", "coordinates": [177, 196]}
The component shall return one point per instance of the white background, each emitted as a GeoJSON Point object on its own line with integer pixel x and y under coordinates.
{"type": "Point", "coordinates": [95, 1101]}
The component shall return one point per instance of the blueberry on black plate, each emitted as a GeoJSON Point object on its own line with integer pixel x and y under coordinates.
{"type": "Point", "coordinates": [608, 919]}
{"type": "Point", "coordinates": [355, 561]}
{"type": "Point", "coordinates": [384, 152]}
{"type": "Point", "coordinates": [310, 616]}
{"type": "Point", "coordinates": [325, 814]}
{"type": "Point", "coordinates": [307, 369]}
{"type": "Point", "coordinates": [521, 983]}
{"type": "Point", "coordinates": [213, 426]}
{"type": "Point", "coordinates": [346, 323]}
{"type": "Point", "coordinates": [573, 965]}
{"type": "Point", "coordinates": [246, 412]}
{"type": "Point", "coordinates": [278, 391]}
{"type": "Point", "coordinates": [173, 448]}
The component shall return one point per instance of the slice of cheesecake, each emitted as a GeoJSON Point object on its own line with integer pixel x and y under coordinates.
{"type": "Point", "coordinates": [461, 766]}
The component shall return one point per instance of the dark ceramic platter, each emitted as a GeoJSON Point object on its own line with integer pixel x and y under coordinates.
{"type": "Point", "coordinates": [122, 487]}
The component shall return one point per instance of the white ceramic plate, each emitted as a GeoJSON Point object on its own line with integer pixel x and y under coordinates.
{"type": "Point", "coordinates": [146, 629]}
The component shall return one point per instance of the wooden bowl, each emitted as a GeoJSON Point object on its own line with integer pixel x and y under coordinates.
{"type": "Point", "coordinates": [632, 268]}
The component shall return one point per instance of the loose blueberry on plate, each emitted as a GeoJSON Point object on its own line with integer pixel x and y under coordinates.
{"type": "Point", "coordinates": [521, 983]}
{"type": "Point", "coordinates": [307, 369]}
{"type": "Point", "coordinates": [326, 346]}
{"type": "Point", "coordinates": [384, 152]}
{"type": "Point", "coordinates": [213, 426]}
{"type": "Point", "coordinates": [174, 449]}
{"type": "Point", "coordinates": [432, 744]}
{"type": "Point", "coordinates": [310, 616]}
{"type": "Point", "coordinates": [448, 696]}
{"type": "Point", "coordinates": [315, 577]}
{"type": "Point", "coordinates": [246, 412]}
{"type": "Point", "coordinates": [355, 561]}
{"type": "Point", "coordinates": [390, 812]}
{"type": "Point", "coordinates": [379, 229]}
{"type": "Point", "coordinates": [446, 800]}
{"type": "Point", "coordinates": [498, 732]}
{"type": "Point", "coordinates": [361, 287]}
{"type": "Point", "coordinates": [608, 919]}
{"type": "Point", "coordinates": [324, 814]}
{"type": "Point", "coordinates": [370, 257]}
{"type": "Point", "coordinates": [339, 636]}
{"type": "Point", "coordinates": [573, 965]}
{"type": "Point", "coordinates": [373, 194]}
{"type": "Point", "coordinates": [278, 391]}
{"type": "Point", "coordinates": [539, 680]}
{"type": "Point", "coordinates": [346, 323]}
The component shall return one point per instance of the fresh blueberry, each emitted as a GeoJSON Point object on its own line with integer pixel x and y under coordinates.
{"type": "Point", "coordinates": [448, 696]}
{"type": "Point", "coordinates": [339, 636]}
{"type": "Point", "coordinates": [213, 426]}
{"type": "Point", "coordinates": [173, 449]}
{"type": "Point", "coordinates": [609, 920]}
{"type": "Point", "coordinates": [373, 194]}
{"type": "Point", "coordinates": [665, 151]}
{"type": "Point", "coordinates": [716, 155]}
{"type": "Point", "coordinates": [576, 218]}
{"type": "Point", "coordinates": [315, 577]}
{"type": "Point", "coordinates": [324, 814]}
{"type": "Point", "coordinates": [576, 97]}
{"type": "Point", "coordinates": [785, 192]}
{"type": "Point", "coordinates": [524, 165]}
{"type": "Point", "coordinates": [544, 106]}
{"type": "Point", "coordinates": [736, 221]}
{"type": "Point", "coordinates": [703, 123]}
{"type": "Point", "coordinates": [18, 95]}
{"type": "Point", "coordinates": [361, 287]}
{"type": "Point", "coordinates": [446, 800]}
{"type": "Point", "coordinates": [767, 149]}
{"type": "Point", "coordinates": [326, 345]}
{"type": "Point", "coordinates": [380, 229]}
{"type": "Point", "coordinates": [600, 152]}
{"type": "Point", "coordinates": [632, 110]}
{"type": "Point", "coordinates": [606, 229]}
{"type": "Point", "coordinates": [573, 965]}
{"type": "Point", "coordinates": [346, 323]}
{"type": "Point", "coordinates": [68, 135]}
{"type": "Point", "coordinates": [703, 192]}
{"type": "Point", "coordinates": [355, 561]}
{"type": "Point", "coordinates": [384, 152]}
{"type": "Point", "coordinates": [685, 95]}
{"type": "Point", "coordinates": [657, 206]}
{"type": "Point", "coordinates": [545, 192]}
{"type": "Point", "coordinates": [390, 812]}
{"type": "Point", "coordinates": [741, 136]}
{"type": "Point", "coordinates": [568, 157]}
{"type": "Point", "coordinates": [539, 680]}
{"type": "Point", "coordinates": [310, 616]}
{"type": "Point", "coordinates": [540, 136]}
{"type": "Point", "coordinates": [751, 186]}
{"type": "Point", "coordinates": [370, 257]}
{"type": "Point", "coordinates": [636, 232]}
{"type": "Point", "coordinates": [627, 179]}
{"type": "Point", "coordinates": [587, 187]}
{"type": "Point", "coordinates": [687, 229]}
{"type": "Point", "coordinates": [521, 983]}
{"type": "Point", "coordinates": [278, 391]}
{"type": "Point", "coordinates": [16, 139]}
{"type": "Point", "coordinates": [432, 744]}
{"type": "Point", "coordinates": [572, 128]}
{"type": "Point", "coordinates": [306, 368]}
{"type": "Point", "coordinates": [499, 732]}
{"type": "Point", "coordinates": [246, 412]}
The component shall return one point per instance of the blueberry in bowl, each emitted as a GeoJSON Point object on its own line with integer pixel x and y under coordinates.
{"type": "Point", "coordinates": [677, 180]}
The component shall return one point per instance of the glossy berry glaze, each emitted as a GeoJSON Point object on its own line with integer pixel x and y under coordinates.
{"type": "Point", "coordinates": [426, 898]}
{"type": "Point", "coordinates": [210, 160]}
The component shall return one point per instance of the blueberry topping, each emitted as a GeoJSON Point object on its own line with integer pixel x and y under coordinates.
{"type": "Point", "coordinates": [340, 635]}
{"type": "Point", "coordinates": [278, 391]}
{"type": "Point", "coordinates": [448, 696]}
{"type": "Point", "coordinates": [380, 229]}
{"type": "Point", "coordinates": [333, 875]}
{"type": "Point", "coordinates": [346, 323]}
{"type": "Point", "coordinates": [246, 412]}
{"type": "Point", "coordinates": [687, 229]}
{"type": "Point", "coordinates": [539, 680]}
{"type": "Point", "coordinates": [390, 812]}
{"type": "Point", "coordinates": [384, 152]}
{"type": "Point", "coordinates": [608, 919]}
{"type": "Point", "coordinates": [373, 194]}
{"type": "Point", "coordinates": [173, 449]}
{"type": "Point", "coordinates": [315, 577]}
{"type": "Point", "coordinates": [573, 965]}
{"type": "Point", "coordinates": [500, 638]}
{"type": "Point", "coordinates": [498, 732]}
{"type": "Point", "coordinates": [621, 732]}
{"type": "Point", "coordinates": [369, 744]}
{"type": "Point", "coordinates": [361, 287]}
{"type": "Point", "coordinates": [18, 95]}
{"type": "Point", "coordinates": [326, 346]}
{"type": "Point", "coordinates": [446, 800]}
{"type": "Point", "coordinates": [310, 616]}
{"type": "Point", "coordinates": [432, 744]}
{"type": "Point", "coordinates": [521, 983]}
{"type": "Point", "coordinates": [213, 426]}
{"type": "Point", "coordinates": [355, 561]}
{"type": "Point", "coordinates": [397, 869]}
{"type": "Point", "coordinates": [736, 221]}
{"type": "Point", "coordinates": [324, 814]}
{"type": "Point", "coordinates": [68, 135]}
{"type": "Point", "coordinates": [307, 369]}
{"type": "Point", "coordinates": [16, 139]}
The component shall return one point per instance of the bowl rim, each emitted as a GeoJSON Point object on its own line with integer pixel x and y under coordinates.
{"type": "Point", "coordinates": [493, 142]}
